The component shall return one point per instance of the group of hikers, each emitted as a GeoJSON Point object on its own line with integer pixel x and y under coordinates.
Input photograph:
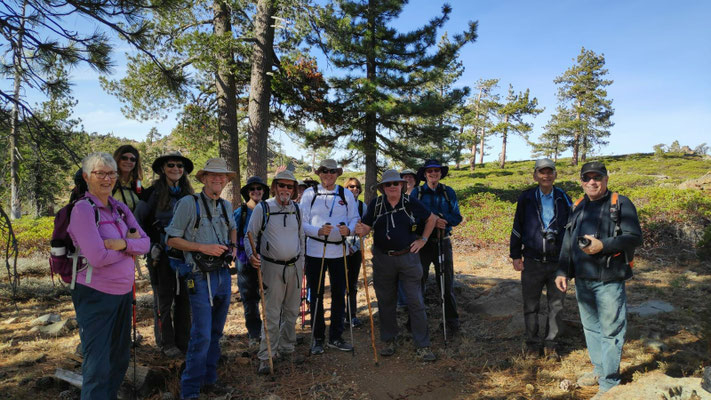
{"type": "Point", "coordinates": [287, 235]}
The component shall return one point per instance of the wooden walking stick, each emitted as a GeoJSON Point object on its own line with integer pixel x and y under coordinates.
{"type": "Point", "coordinates": [367, 299]}
{"type": "Point", "coordinates": [264, 306]}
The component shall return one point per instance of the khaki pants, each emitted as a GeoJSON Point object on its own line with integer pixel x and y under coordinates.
{"type": "Point", "coordinates": [282, 298]}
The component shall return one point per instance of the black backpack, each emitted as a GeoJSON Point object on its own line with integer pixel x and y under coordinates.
{"type": "Point", "coordinates": [339, 189]}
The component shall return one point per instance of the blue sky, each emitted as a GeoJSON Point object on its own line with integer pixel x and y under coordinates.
{"type": "Point", "coordinates": [658, 53]}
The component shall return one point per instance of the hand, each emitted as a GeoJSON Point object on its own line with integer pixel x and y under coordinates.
{"type": "Point", "coordinates": [280, 168]}
{"type": "Point", "coordinates": [325, 230]}
{"type": "Point", "coordinates": [115, 244]}
{"type": "Point", "coordinates": [212, 249]}
{"type": "Point", "coordinates": [255, 261]}
{"type": "Point", "coordinates": [133, 235]}
{"type": "Point", "coordinates": [518, 264]}
{"type": "Point", "coordinates": [417, 245]}
{"type": "Point", "coordinates": [594, 247]}
{"type": "Point", "coordinates": [343, 230]}
{"type": "Point", "coordinates": [561, 283]}
{"type": "Point", "coordinates": [362, 229]}
{"type": "Point", "coordinates": [441, 223]}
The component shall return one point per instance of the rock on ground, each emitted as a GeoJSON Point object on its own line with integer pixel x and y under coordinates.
{"type": "Point", "coordinates": [46, 319]}
{"type": "Point", "coordinates": [651, 307]}
{"type": "Point", "coordinates": [655, 385]}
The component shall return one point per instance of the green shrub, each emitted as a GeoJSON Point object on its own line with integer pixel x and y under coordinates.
{"type": "Point", "coordinates": [33, 235]}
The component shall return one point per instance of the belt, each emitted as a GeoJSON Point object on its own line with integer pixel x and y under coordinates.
{"type": "Point", "coordinates": [324, 241]}
{"type": "Point", "coordinates": [279, 262]}
{"type": "Point", "coordinates": [398, 252]}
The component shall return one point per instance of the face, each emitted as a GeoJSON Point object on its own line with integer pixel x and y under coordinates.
{"type": "Point", "coordinates": [284, 190]}
{"type": "Point", "coordinates": [255, 192]}
{"type": "Point", "coordinates": [173, 170]}
{"type": "Point", "coordinates": [127, 162]}
{"type": "Point", "coordinates": [410, 180]}
{"type": "Point", "coordinates": [328, 177]}
{"type": "Point", "coordinates": [354, 188]}
{"type": "Point", "coordinates": [593, 188]}
{"type": "Point", "coordinates": [433, 175]}
{"type": "Point", "coordinates": [214, 182]}
{"type": "Point", "coordinates": [101, 180]}
{"type": "Point", "coordinates": [392, 189]}
{"type": "Point", "coordinates": [545, 177]}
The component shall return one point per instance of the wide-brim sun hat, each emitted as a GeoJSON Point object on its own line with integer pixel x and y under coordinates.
{"type": "Point", "coordinates": [391, 175]}
{"type": "Point", "coordinates": [329, 164]}
{"type": "Point", "coordinates": [173, 155]}
{"type": "Point", "coordinates": [286, 175]}
{"type": "Point", "coordinates": [216, 166]}
{"type": "Point", "coordinates": [431, 164]}
{"type": "Point", "coordinates": [254, 180]}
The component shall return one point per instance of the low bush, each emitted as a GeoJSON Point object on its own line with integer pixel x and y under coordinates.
{"type": "Point", "coordinates": [33, 235]}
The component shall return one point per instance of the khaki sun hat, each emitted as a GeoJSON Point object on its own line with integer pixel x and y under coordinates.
{"type": "Point", "coordinates": [217, 166]}
{"type": "Point", "coordinates": [328, 164]}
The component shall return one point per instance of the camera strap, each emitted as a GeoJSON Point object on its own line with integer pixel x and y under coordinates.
{"type": "Point", "coordinates": [209, 217]}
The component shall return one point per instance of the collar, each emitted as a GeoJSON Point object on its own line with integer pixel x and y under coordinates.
{"type": "Point", "coordinates": [547, 196]}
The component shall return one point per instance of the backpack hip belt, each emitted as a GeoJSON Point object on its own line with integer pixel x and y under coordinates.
{"type": "Point", "coordinates": [287, 263]}
{"type": "Point", "coordinates": [324, 241]}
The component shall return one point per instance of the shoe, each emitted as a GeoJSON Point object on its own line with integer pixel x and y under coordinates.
{"type": "Point", "coordinates": [533, 350]}
{"type": "Point", "coordinates": [425, 354]}
{"type": "Point", "coordinates": [588, 379]}
{"type": "Point", "coordinates": [293, 357]}
{"type": "Point", "coordinates": [340, 344]}
{"type": "Point", "coordinates": [252, 343]}
{"type": "Point", "coordinates": [263, 368]}
{"type": "Point", "coordinates": [389, 348]}
{"type": "Point", "coordinates": [599, 395]}
{"type": "Point", "coordinates": [172, 352]}
{"type": "Point", "coordinates": [550, 353]}
{"type": "Point", "coordinates": [217, 389]}
{"type": "Point", "coordinates": [356, 322]}
{"type": "Point", "coordinates": [317, 348]}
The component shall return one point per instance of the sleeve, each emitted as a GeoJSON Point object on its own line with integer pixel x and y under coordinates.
{"type": "Point", "coordinates": [85, 234]}
{"type": "Point", "coordinates": [305, 205]}
{"type": "Point", "coordinates": [631, 234]}
{"type": "Point", "coordinates": [369, 215]}
{"type": "Point", "coordinates": [182, 217]}
{"type": "Point", "coordinates": [231, 224]}
{"type": "Point", "coordinates": [515, 242]}
{"type": "Point", "coordinates": [253, 228]}
{"type": "Point", "coordinates": [237, 214]}
{"type": "Point", "coordinates": [419, 210]}
{"type": "Point", "coordinates": [453, 216]}
{"type": "Point", "coordinates": [352, 210]}
{"type": "Point", "coordinates": [138, 246]}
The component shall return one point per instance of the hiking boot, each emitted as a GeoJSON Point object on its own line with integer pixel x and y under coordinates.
{"type": "Point", "coordinates": [217, 389]}
{"type": "Point", "coordinates": [263, 368]}
{"type": "Point", "coordinates": [355, 320]}
{"type": "Point", "coordinates": [292, 357]}
{"type": "Point", "coordinates": [317, 348]}
{"type": "Point", "coordinates": [389, 348]}
{"type": "Point", "coordinates": [533, 350]}
{"type": "Point", "coordinates": [425, 354]}
{"type": "Point", "coordinates": [253, 343]}
{"type": "Point", "coordinates": [340, 344]}
{"type": "Point", "coordinates": [550, 353]}
{"type": "Point", "coordinates": [172, 352]}
{"type": "Point", "coordinates": [588, 379]}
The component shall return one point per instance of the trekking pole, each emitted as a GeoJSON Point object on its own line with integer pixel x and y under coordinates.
{"type": "Point", "coordinates": [302, 306]}
{"type": "Point", "coordinates": [264, 306]}
{"type": "Point", "coordinates": [367, 299]}
{"type": "Point", "coordinates": [135, 393]}
{"type": "Point", "coordinates": [440, 261]}
{"type": "Point", "coordinates": [348, 290]}
{"type": "Point", "coordinates": [318, 292]}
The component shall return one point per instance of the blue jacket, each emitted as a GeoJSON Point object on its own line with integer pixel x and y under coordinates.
{"type": "Point", "coordinates": [527, 237]}
{"type": "Point", "coordinates": [441, 202]}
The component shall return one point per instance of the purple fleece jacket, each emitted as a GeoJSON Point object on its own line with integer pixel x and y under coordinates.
{"type": "Point", "coordinates": [113, 271]}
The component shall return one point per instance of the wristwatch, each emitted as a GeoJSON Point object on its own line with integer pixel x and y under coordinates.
{"type": "Point", "coordinates": [425, 238]}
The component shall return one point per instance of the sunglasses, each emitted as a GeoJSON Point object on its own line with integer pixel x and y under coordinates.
{"type": "Point", "coordinates": [285, 185]}
{"type": "Point", "coordinates": [128, 158]}
{"type": "Point", "coordinates": [388, 184]}
{"type": "Point", "coordinates": [255, 188]}
{"type": "Point", "coordinates": [353, 187]}
{"type": "Point", "coordinates": [171, 165]}
{"type": "Point", "coordinates": [329, 171]}
{"type": "Point", "coordinates": [596, 178]}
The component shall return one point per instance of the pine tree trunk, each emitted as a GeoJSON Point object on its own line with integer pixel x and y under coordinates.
{"type": "Point", "coordinates": [260, 91]}
{"type": "Point", "coordinates": [226, 92]}
{"type": "Point", "coordinates": [370, 139]}
{"type": "Point", "coordinates": [481, 146]}
{"type": "Point", "coordinates": [15, 204]}
{"type": "Point", "coordinates": [472, 160]}
{"type": "Point", "coordinates": [502, 159]}
{"type": "Point", "coordinates": [576, 139]}
{"type": "Point", "coordinates": [472, 163]}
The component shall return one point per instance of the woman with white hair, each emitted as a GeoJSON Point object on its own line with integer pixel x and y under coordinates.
{"type": "Point", "coordinates": [107, 236]}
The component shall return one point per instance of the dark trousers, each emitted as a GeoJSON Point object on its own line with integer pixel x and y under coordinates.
{"type": "Point", "coordinates": [171, 311]}
{"type": "Point", "coordinates": [248, 283]}
{"type": "Point", "coordinates": [429, 254]}
{"type": "Point", "coordinates": [105, 332]}
{"type": "Point", "coordinates": [337, 277]}
{"type": "Point", "coordinates": [535, 276]}
{"type": "Point", "coordinates": [354, 262]}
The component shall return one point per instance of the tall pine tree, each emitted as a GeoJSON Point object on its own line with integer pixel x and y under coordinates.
{"type": "Point", "coordinates": [380, 94]}
{"type": "Point", "coordinates": [554, 139]}
{"type": "Point", "coordinates": [510, 118]}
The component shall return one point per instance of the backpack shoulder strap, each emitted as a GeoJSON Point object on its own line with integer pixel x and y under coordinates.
{"type": "Point", "coordinates": [342, 194]}
{"type": "Point", "coordinates": [298, 214]}
{"type": "Point", "coordinates": [97, 216]}
{"type": "Point", "coordinates": [564, 195]}
{"type": "Point", "coordinates": [197, 211]}
{"type": "Point", "coordinates": [265, 220]}
{"type": "Point", "coordinates": [576, 203]}
{"type": "Point", "coordinates": [360, 208]}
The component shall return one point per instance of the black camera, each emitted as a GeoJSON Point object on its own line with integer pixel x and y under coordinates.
{"type": "Point", "coordinates": [550, 237]}
{"type": "Point", "coordinates": [583, 242]}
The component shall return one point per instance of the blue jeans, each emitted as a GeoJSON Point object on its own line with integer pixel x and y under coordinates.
{"type": "Point", "coordinates": [603, 312]}
{"type": "Point", "coordinates": [206, 331]}
{"type": "Point", "coordinates": [105, 331]}
{"type": "Point", "coordinates": [248, 284]}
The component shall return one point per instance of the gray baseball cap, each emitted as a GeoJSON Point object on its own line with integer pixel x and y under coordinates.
{"type": "Point", "coordinates": [544, 163]}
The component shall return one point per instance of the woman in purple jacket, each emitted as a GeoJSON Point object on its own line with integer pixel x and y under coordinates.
{"type": "Point", "coordinates": [102, 296]}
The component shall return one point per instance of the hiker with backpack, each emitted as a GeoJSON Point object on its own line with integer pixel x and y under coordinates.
{"type": "Point", "coordinates": [329, 215]}
{"type": "Point", "coordinates": [253, 192]}
{"type": "Point", "coordinates": [171, 305]}
{"type": "Point", "coordinates": [598, 250]}
{"type": "Point", "coordinates": [536, 236]}
{"type": "Point", "coordinates": [206, 233]}
{"type": "Point", "coordinates": [276, 224]}
{"type": "Point", "coordinates": [355, 255]}
{"type": "Point", "coordinates": [107, 237]}
{"type": "Point", "coordinates": [441, 200]}
{"type": "Point", "coordinates": [394, 218]}
{"type": "Point", "coordinates": [128, 189]}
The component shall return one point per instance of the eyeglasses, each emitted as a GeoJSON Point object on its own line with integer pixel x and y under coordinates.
{"type": "Point", "coordinates": [432, 170]}
{"type": "Point", "coordinates": [103, 174]}
{"type": "Point", "coordinates": [285, 185]}
{"type": "Point", "coordinates": [255, 188]}
{"type": "Point", "coordinates": [596, 178]}
{"type": "Point", "coordinates": [329, 171]}
{"type": "Point", "coordinates": [353, 187]}
{"type": "Point", "coordinates": [388, 184]}
{"type": "Point", "coordinates": [171, 165]}
{"type": "Point", "coordinates": [128, 158]}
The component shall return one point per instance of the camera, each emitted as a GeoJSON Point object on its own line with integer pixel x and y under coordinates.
{"type": "Point", "coordinates": [583, 242]}
{"type": "Point", "coordinates": [550, 237]}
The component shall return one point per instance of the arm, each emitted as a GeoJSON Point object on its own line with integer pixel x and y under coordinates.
{"type": "Point", "coordinates": [429, 227]}
{"type": "Point", "coordinates": [138, 243]}
{"type": "Point", "coordinates": [631, 235]}
{"type": "Point", "coordinates": [183, 219]}
{"type": "Point", "coordinates": [453, 216]}
{"type": "Point", "coordinates": [515, 242]}
{"type": "Point", "coordinates": [85, 234]}
{"type": "Point", "coordinates": [255, 224]}
{"type": "Point", "coordinates": [305, 206]}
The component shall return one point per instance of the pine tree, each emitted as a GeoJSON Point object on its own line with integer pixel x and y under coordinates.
{"type": "Point", "coordinates": [583, 91]}
{"type": "Point", "coordinates": [554, 139]}
{"type": "Point", "coordinates": [485, 104]}
{"type": "Point", "coordinates": [510, 118]}
{"type": "Point", "coordinates": [381, 91]}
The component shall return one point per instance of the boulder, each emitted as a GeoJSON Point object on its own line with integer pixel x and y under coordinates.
{"type": "Point", "coordinates": [703, 183]}
{"type": "Point", "coordinates": [657, 385]}
{"type": "Point", "coordinates": [651, 307]}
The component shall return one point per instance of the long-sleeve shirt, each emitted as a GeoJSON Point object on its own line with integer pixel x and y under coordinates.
{"type": "Point", "coordinates": [439, 204]}
{"type": "Point", "coordinates": [328, 207]}
{"type": "Point", "coordinates": [112, 270]}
